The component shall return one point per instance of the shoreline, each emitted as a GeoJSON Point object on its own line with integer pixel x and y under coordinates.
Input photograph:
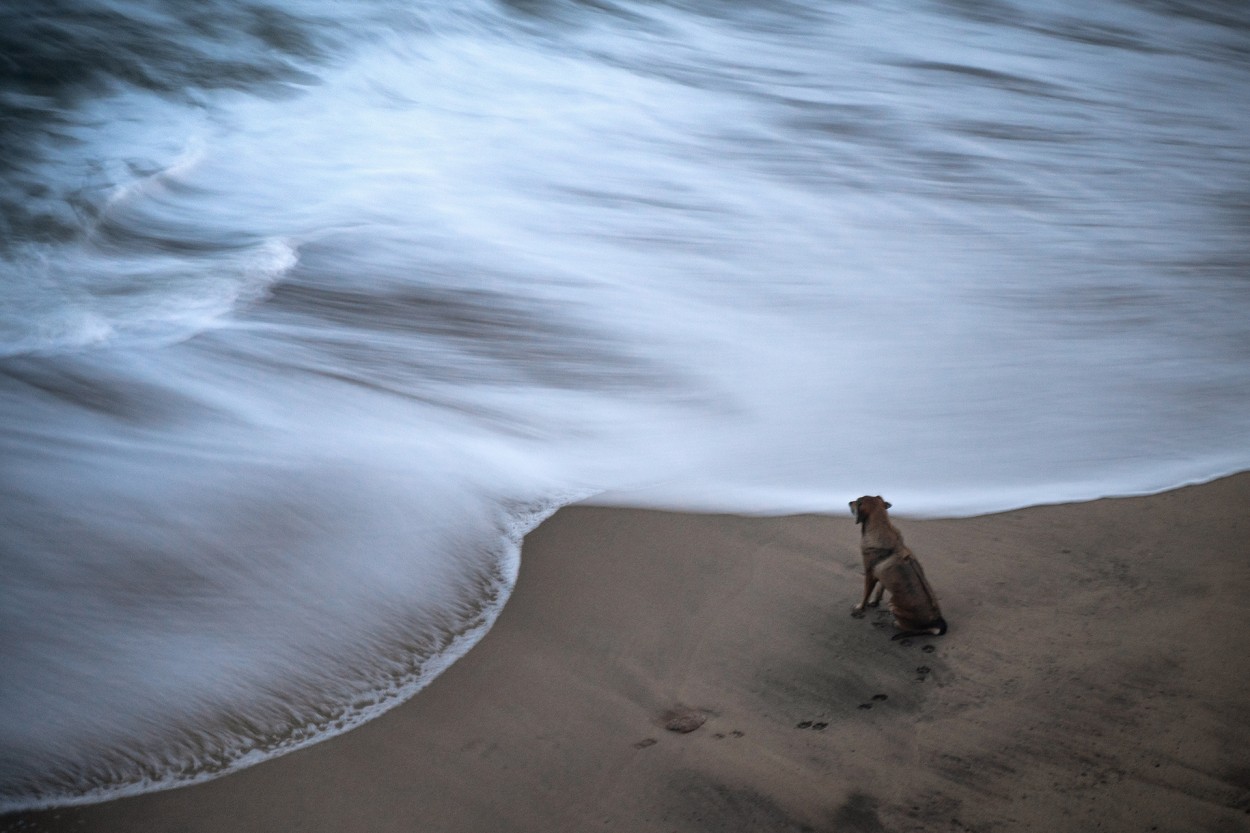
{"type": "Point", "coordinates": [1093, 678]}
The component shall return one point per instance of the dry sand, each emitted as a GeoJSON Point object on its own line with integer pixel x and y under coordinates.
{"type": "Point", "coordinates": [1095, 677]}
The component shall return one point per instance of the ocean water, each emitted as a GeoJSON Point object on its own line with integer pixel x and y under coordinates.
{"type": "Point", "coordinates": [310, 310]}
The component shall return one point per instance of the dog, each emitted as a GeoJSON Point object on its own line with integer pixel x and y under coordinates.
{"type": "Point", "coordinates": [890, 565]}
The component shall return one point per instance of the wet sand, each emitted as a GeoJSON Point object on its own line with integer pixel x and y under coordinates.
{"type": "Point", "coordinates": [1095, 677]}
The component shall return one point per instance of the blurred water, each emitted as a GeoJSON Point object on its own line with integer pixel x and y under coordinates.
{"type": "Point", "coordinates": [308, 312]}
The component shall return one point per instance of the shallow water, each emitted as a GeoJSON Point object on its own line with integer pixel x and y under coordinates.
{"type": "Point", "coordinates": [308, 313]}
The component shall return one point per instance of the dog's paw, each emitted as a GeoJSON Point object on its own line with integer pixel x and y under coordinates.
{"type": "Point", "coordinates": [858, 611]}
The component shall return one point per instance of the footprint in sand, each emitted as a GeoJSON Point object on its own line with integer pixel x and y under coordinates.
{"type": "Point", "coordinates": [928, 649]}
{"type": "Point", "coordinates": [879, 698]}
{"type": "Point", "coordinates": [644, 743]}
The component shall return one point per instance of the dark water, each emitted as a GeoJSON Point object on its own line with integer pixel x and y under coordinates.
{"type": "Point", "coordinates": [310, 310]}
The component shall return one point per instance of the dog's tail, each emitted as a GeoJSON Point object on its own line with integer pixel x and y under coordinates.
{"type": "Point", "coordinates": [936, 628]}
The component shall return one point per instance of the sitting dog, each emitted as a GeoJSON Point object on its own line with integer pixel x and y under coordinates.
{"type": "Point", "coordinates": [890, 565]}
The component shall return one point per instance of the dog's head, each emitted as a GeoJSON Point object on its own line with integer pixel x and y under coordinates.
{"type": "Point", "coordinates": [867, 506]}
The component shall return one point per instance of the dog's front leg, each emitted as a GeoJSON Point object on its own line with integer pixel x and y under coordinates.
{"type": "Point", "coordinates": [870, 583]}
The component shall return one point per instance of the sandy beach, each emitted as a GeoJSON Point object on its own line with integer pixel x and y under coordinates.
{"type": "Point", "coordinates": [1095, 677]}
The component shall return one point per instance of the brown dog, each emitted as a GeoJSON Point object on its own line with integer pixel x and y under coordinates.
{"type": "Point", "coordinates": [890, 565]}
